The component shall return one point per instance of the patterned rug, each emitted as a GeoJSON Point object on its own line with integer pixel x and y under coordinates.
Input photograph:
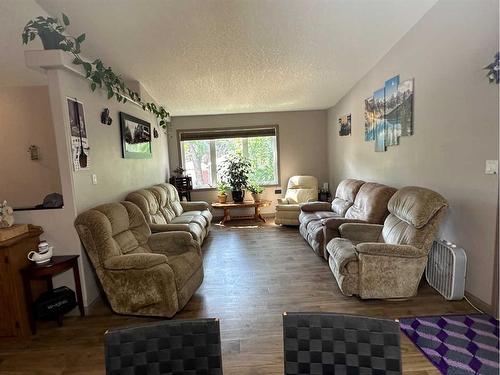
{"type": "Point", "coordinates": [456, 344]}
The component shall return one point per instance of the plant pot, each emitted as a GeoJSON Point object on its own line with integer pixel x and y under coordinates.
{"type": "Point", "coordinates": [50, 40]}
{"type": "Point", "coordinates": [238, 195]}
{"type": "Point", "coordinates": [222, 198]}
{"type": "Point", "coordinates": [256, 197]}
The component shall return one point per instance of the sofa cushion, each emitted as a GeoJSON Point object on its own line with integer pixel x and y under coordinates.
{"type": "Point", "coordinates": [187, 219]}
{"type": "Point", "coordinates": [340, 206]}
{"type": "Point", "coordinates": [288, 207]}
{"type": "Point", "coordinates": [370, 204]}
{"type": "Point", "coordinates": [162, 198]}
{"type": "Point", "coordinates": [345, 194]}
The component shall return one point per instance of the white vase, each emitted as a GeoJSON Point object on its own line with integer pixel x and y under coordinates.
{"type": "Point", "coordinates": [256, 197]}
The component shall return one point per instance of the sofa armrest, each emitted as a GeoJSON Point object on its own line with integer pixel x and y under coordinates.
{"type": "Point", "coordinates": [336, 222]}
{"type": "Point", "coordinates": [171, 243]}
{"type": "Point", "coordinates": [134, 261]}
{"type": "Point", "coordinates": [195, 206]}
{"type": "Point", "coordinates": [315, 206]}
{"type": "Point", "coordinates": [358, 232]}
{"type": "Point", "coordinates": [282, 201]}
{"type": "Point", "coordinates": [156, 228]}
{"type": "Point", "coordinates": [389, 250]}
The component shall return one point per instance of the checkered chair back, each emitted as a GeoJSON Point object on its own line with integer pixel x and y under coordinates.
{"type": "Point", "coordinates": [187, 347]}
{"type": "Point", "coordinates": [327, 343]}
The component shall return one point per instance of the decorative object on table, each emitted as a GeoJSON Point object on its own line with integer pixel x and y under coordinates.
{"type": "Point", "coordinates": [184, 186]}
{"type": "Point", "coordinates": [256, 191]}
{"type": "Point", "coordinates": [105, 118]}
{"type": "Point", "coordinates": [330, 343]}
{"type": "Point", "coordinates": [345, 125]}
{"type": "Point", "coordinates": [235, 170]}
{"type": "Point", "coordinates": [6, 215]}
{"type": "Point", "coordinates": [227, 207]}
{"type": "Point", "coordinates": [494, 69]}
{"type": "Point", "coordinates": [222, 189]}
{"type": "Point", "coordinates": [186, 346]}
{"type": "Point", "coordinates": [179, 171]}
{"type": "Point", "coordinates": [43, 255]}
{"type": "Point", "coordinates": [56, 266]}
{"type": "Point", "coordinates": [54, 36]}
{"type": "Point", "coordinates": [456, 344]}
{"type": "Point", "coordinates": [79, 140]}
{"type": "Point", "coordinates": [155, 133]}
{"type": "Point", "coordinates": [34, 152]}
{"type": "Point", "coordinates": [136, 137]}
{"type": "Point", "coordinates": [13, 312]}
{"type": "Point", "coordinates": [389, 114]}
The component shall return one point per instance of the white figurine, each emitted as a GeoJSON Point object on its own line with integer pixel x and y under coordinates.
{"type": "Point", "coordinates": [6, 215]}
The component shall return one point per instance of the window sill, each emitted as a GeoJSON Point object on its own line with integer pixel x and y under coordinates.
{"type": "Point", "coordinates": [215, 189]}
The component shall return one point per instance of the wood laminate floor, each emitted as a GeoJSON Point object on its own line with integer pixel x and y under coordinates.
{"type": "Point", "coordinates": [253, 274]}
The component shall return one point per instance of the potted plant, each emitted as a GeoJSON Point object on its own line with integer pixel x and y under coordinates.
{"type": "Point", "coordinates": [256, 191]}
{"type": "Point", "coordinates": [222, 188]}
{"type": "Point", "coordinates": [48, 29]}
{"type": "Point", "coordinates": [235, 170]}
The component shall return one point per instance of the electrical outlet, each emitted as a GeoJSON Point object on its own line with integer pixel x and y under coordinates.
{"type": "Point", "coordinates": [491, 167]}
{"type": "Point", "coordinates": [277, 191]}
{"type": "Point", "coordinates": [94, 179]}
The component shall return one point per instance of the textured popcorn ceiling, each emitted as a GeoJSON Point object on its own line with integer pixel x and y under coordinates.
{"type": "Point", "coordinates": [216, 56]}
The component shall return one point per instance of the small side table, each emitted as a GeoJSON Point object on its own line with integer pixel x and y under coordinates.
{"type": "Point", "coordinates": [57, 265]}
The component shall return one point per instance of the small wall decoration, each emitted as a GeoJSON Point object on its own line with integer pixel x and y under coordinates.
{"type": "Point", "coordinates": [136, 137]}
{"type": "Point", "coordinates": [494, 69]}
{"type": "Point", "coordinates": [79, 141]}
{"type": "Point", "coordinates": [389, 114]}
{"type": "Point", "coordinates": [345, 125]}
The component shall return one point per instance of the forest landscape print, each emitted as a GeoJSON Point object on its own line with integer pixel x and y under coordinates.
{"type": "Point", "coordinates": [389, 114]}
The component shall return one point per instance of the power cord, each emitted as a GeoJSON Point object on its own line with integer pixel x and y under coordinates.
{"type": "Point", "coordinates": [470, 303]}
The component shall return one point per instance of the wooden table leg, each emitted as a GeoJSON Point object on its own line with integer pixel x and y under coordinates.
{"type": "Point", "coordinates": [29, 303]}
{"type": "Point", "coordinates": [257, 215]}
{"type": "Point", "coordinates": [78, 287]}
{"type": "Point", "coordinates": [226, 216]}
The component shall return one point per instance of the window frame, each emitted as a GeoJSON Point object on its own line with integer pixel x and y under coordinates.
{"type": "Point", "coordinates": [212, 152]}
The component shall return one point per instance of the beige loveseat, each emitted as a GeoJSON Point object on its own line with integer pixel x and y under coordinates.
{"type": "Point", "coordinates": [141, 273]}
{"type": "Point", "coordinates": [355, 201]}
{"type": "Point", "coordinates": [387, 261]}
{"type": "Point", "coordinates": [300, 189]}
{"type": "Point", "coordinates": [164, 211]}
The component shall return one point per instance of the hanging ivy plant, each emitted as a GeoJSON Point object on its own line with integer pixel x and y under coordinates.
{"type": "Point", "coordinates": [52, 34]}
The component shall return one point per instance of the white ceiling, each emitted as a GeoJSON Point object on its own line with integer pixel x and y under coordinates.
{"type": "Point", "coordinates": [225, 56]}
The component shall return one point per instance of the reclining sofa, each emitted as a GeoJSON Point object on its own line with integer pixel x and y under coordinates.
{"type": "Point", "coordinates": [355, 201]}
{"type": "Point", "coordinates": [165, 212]}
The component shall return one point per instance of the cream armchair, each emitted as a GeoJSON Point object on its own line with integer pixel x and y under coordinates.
{"type": "Point", "coordinates": [300, 189]}
{"type": "Point", "coordinates": [387, 261]}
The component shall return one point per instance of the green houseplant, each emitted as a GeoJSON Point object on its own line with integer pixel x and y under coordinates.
{"type": "Point", "coordinates": [222, 188]}
{"type": "Point", "coordinates": [256, 191]}
{"type": "Point", "coordinates": [235, 170]}
{"type": "Point", "coordinates": [49, 29]}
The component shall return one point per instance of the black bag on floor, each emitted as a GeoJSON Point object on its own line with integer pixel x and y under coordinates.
{"type": "Point", "coordinates": [55, 302]}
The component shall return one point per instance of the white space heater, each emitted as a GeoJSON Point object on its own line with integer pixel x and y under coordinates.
{"type": "Point", "coordinates": [445, 270]}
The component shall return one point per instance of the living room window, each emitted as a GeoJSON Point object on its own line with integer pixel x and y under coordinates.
{"type": "Point", "coordinates": [203, 151]}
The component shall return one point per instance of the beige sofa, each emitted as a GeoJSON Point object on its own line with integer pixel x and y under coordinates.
{"type": "Point", "coordinates": [164, 211]}
{"type": "Point", "coordinates": [387, 261]}
{"type": "Point", "coordinates": [141, 273]}
{"type": "Point", "coordinates": [355, 201]}
{"type": "Point", "coordinates": [300, 189]}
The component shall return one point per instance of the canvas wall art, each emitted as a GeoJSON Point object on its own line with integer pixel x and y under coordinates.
{"type": "Point", "coordinates": [136, 137]}
{"type": "Point", "coordinates": [345, 125]}
{"type": "Point", "coordinates": [369, 119]}
{"type": "Point", "coordinates": [389, 114]}
{"type": "Point", "coordinates": [79, 140]}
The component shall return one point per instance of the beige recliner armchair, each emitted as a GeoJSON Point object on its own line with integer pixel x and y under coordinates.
{"type": "Point", "coordinates": [164, 211]}
{"type": "Point", "coordinates": [387, 261]}
{"type": "Point", "coordinates": [300, 189]}
{"type": "Point", "coordinates": [141, 273]}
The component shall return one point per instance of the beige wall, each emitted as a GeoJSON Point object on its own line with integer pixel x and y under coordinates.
{"type": "Point", "coordinates": [25, 120]}
{"type": "Point", "coordinates": [302, 144]}
{"type": "Point", "coordinates": [456, 126]}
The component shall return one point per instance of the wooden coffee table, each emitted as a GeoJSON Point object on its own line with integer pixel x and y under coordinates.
{"type": "Point", "coordinates": [246, 204]}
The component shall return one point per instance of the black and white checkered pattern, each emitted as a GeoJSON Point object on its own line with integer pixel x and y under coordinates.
{"type": "Point", "coordinates": [326, 343]}
{"type": "Point", "coordinates": [187, 347]}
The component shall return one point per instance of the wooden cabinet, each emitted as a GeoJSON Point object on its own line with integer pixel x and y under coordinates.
{"type": "Point", "coordinates": [13, 257]}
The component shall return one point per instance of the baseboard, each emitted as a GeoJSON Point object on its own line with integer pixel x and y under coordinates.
{"type": "Point", "coordinates": [480, 304]}
{"type": "Point", "coordinates": [269, 215]}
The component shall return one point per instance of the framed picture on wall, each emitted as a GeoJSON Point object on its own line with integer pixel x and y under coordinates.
{"type": "Point", "coordinates": [136, 137]}
{"type": "Point", "coordinates": [79, 140]}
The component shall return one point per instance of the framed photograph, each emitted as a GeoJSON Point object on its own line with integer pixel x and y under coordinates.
{"type": "Point", "coordinates": [136, 137]}
{"type": "Point", "coordinates": [345, 125]}
{"type": "Point", "coordinates": [79, 140]}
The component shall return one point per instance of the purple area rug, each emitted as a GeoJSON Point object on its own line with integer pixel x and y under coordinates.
{"type": "Point", "coordinates": [456, 344]}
